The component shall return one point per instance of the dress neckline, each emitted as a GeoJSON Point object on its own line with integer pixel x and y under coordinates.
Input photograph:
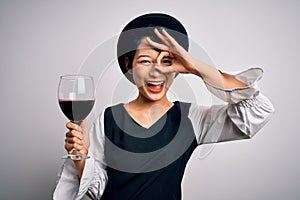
{"type": "Point", "coordinates": [154, 124]}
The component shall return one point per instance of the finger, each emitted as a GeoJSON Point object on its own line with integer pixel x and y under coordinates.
{"type": "Point", "coordinates": [71, 125]}
{"type": "Point", "coordinates": [161, 37]}
{"type": "Point", "coordinates": [71, 146]}
{"type": "Point", "coordinates": [83, 127]}
{"type": "Point", "coordinates": [156, 45]}
{"type": "Point", "coordinates": [162, 55]}
{"type": "Point", "coordinates": [74, 133]}
{"type": "Point", "coordinates": [72, 140]}
{"type": "Point", "coordinates": [83, 124]}
{"type": "Point", "coordinates": [168, 37]}
{"type": "Point", "coordinates": [68, 147]}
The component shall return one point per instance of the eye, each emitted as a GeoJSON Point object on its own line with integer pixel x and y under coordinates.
{"type": "Point", "coordinates": [166, 61]}
{"type": "Point", "coordinates": [145, 62]}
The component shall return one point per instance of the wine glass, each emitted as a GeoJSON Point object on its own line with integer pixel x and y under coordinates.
{"type": "Point", "coordinates": [76, 100]}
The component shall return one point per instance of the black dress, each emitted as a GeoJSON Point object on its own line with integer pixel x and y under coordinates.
{"type": "Point", "coordinates": [157, 155]}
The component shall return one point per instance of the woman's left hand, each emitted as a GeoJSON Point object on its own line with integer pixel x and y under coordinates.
{"type": "Point", "coordinates": [182, 61]}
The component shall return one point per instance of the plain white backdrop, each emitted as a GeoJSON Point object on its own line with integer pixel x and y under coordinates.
{"type": "Point", "coordinates": [41, 40]}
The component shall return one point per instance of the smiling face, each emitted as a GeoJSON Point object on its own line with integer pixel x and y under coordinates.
{"type": "Point", "coordinates": [147, 75]}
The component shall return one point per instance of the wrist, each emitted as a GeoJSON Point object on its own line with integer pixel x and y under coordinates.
{"type": "Point", "coordinates": [194, 66]}
{"type": "Point", "coordinates": [79, 166]}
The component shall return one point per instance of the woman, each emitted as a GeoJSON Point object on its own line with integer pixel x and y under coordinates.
{"type": "Point", "coordinates": [139, 150]}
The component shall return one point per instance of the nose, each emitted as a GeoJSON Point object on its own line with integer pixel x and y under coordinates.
{"type": "Point", "coordinates": [154, 72]}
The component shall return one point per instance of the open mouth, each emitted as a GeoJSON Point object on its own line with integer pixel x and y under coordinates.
{"type": "Point", "coordinates": [155, 86]}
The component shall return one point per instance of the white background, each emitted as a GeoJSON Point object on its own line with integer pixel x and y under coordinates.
{"type": "Point", "coordinates": [41, 40]}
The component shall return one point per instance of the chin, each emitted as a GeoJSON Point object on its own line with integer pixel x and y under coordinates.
{"type": "Point", "coordinates": [151, 96]}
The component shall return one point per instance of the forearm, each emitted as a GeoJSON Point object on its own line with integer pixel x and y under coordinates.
{"type": "Point", "coordinates": [79, 166]}
{"type": "Point", "coordinates": [215, 77]}
{"type": "Point", "coordinates": [92, 181]}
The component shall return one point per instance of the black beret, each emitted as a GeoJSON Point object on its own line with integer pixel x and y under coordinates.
{"type": "Point", "coordinates": [144, 25]}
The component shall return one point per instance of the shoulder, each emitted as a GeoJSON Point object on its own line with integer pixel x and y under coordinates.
{"type": "Point", "coordinates": [107, 112]}
{"type": "Point", "coordinates": [113, 113]}
{"type": "Point", "coordinates": [188, 106]}
{"type": "Point", "coordinates": [193, 110]}
{"type": "Point", "coordinates": [113, 108]}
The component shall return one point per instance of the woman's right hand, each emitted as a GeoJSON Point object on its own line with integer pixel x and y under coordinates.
{"type": "Point", "coordinates": [77, 138]}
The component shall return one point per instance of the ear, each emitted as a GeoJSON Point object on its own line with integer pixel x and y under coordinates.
{"type": "Point", "coordinates": [129, 70]}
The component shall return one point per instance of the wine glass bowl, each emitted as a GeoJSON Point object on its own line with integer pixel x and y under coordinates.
{"type": "Point", "coordinates": [76, 110]}
{"type": "Point", "coordinates": [76, 100]}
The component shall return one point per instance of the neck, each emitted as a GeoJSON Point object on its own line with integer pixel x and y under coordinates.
{"type": "Point", "coordinates": [147, 112]}
{"type": "Point", "coordinates": [143, 103]}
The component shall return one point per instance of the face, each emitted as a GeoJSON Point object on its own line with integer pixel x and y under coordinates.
{"type": "Point", "coordinates": [152, 83]}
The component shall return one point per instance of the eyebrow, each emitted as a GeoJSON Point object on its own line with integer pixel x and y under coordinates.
{"type": "Point", "coordinates": [147, 56]}
{"type": "Point", "coordinates": [143, 56]}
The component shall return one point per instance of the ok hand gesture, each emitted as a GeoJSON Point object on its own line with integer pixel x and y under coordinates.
{"type": "Point", "coordinates": [182, 61]}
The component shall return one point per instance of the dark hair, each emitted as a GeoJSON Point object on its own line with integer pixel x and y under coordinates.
{"type": "Point", "coordinates": [143, 26]}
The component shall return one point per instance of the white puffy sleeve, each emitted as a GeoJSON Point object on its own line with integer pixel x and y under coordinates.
{"type": "Point", "coordinates": [246, 111]}
{"type": "Point", "coordinates": [94, 177]}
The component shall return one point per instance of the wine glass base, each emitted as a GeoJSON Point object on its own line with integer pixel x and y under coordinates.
{"type": "Point", "coordinates": [75, 157]}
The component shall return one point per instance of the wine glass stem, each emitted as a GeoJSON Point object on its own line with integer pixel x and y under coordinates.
{"type": "Point", "coordinates": [74, 151]}
{"type": "Point", "coordinates": [77, 122]}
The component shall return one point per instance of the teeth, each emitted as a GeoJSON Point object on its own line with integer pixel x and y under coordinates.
{"type": "Point", "coordinates": [155, 83]}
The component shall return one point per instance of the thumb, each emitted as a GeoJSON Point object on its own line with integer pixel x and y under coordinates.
{"type": "Point", "coordinates": [83, 127]}
{"type": "Point", "coordinates": [162, 55]}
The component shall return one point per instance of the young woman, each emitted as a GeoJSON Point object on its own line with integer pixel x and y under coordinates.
{"type": "Point", "coordinates": [139, 149]}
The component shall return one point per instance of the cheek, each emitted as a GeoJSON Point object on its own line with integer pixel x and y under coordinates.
{"type": "Point", "coordinates": [139, 74]}
{"type": "Point", "coordinates": [170, 79]}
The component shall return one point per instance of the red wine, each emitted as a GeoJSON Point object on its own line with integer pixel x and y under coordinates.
{"type": "Point", "coordinates": [76, 110]}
